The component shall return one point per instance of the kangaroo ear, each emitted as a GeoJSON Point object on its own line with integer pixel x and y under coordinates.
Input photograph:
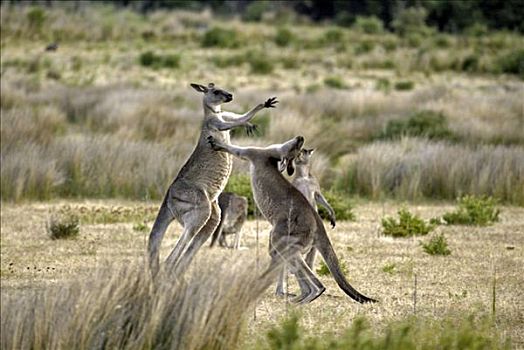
{"type": "Point", "coordinates": [199, 88]}
{"type": "Point", "coordinates": [211, 85]}
{"type": "Point", "coordinates": [282, 164]}
{"type": "Point", "coordinates": [291, 167]}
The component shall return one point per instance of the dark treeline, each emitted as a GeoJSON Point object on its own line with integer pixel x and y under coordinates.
{"type": "Point", "coordinates": [445, 15]}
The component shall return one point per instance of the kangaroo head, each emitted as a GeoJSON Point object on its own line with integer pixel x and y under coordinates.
{"type": "Point", "coordinates": [288, 152]}
{"type": "Point", "coordinates": [304, 158]}
{"type": "Point", "coordinates": [213, 96]}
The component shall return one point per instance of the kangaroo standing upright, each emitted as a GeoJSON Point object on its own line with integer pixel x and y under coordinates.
{"type": "Point", "coordinates": [192, 197]}
{"type": "Point", "coordinates": [296, 225]}
{"type": "Point", "coordinates": [308, 185]}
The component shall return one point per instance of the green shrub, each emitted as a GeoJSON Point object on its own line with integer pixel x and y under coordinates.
{"type": "Point", "coordinates": [260, 64]}
{"type": "Point", "coordinates": [407, 225]}
{"type": "Point", "coordinates": [63, 226]}
{"type": "Point", "coordinates": [364, 47]}
{"type": "Point", "coordinates": [229, 61]}
{"type": "Point", "coordinates": [405, 334]}
{"type": "Point", "coordinates": [140, 227]}
{"type": "Point", "coordinates": [334, 82]}
{"type": "Point", "coordinates": [473, 210]}
{"type": "Point", "coordinates": [410, 20]}
{"type": "Point", "coordinates": [323, 270]}
{"type": "Point", "coordinates": [442, 41]}
{"type": "Point", "coordinates": [36, 17]}
{"type": "Point", "coordinates": [369, 25]}
{"type": "Point", "coordinates": [437, 245]}
{"type": "Point", "coordinates": [341, 206]}
{"type": "Point", "coordinates": [152, 60]}
{"type": "Point", "coordinates": [477, 30]}
{"type": "Point", "coordinates": [470, 63]}
{"type": "Point", "coordinates": [404, 85]}
{"type": "Point", "coordinates": [220, 37]}
{"type": "Point", "coordinates": [430, 124]}
{"type": "Point", "coordinates": [254, 12]}
{"type": "Point", "coordinates": [284, 37]}
{"type": "Point", "coordinates": [332, 36]}
{"type": "Point", "coordinates": [240, 184]}
{"type": "Point", "coordinates": [389, 268]}
{"type": "Point", "coordinates": [511, 63]}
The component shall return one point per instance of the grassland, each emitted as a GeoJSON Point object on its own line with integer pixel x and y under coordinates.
{"type": "Point", "coordinates": [101, 126]}
{"type": "Point", "coordinates": [447, 287]}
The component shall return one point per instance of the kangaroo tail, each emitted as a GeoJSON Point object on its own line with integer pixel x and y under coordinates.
{"type": "Point", "coordinates": [324, 246]}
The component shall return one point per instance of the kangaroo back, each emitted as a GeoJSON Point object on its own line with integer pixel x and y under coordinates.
{"type": "Point", "coordinates": [324, 246]}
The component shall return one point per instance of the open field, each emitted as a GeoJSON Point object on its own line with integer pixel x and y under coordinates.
{"type": "Point", "coordinates": [452, 286]}
{"type": "Point", "coordinates": [101, 125]}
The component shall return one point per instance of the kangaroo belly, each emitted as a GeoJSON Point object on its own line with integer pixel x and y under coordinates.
{"type": "Point", "coordinates": [207, 169]}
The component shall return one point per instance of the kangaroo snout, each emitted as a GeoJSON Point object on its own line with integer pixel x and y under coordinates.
{"type": "Point", "coordinates": [229, 97]}
{"type": "Point", "coordinates": [300, 141]}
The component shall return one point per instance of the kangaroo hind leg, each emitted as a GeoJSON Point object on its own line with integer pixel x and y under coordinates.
{"type": "Point", "coordinates": [310, 286]}
{"type": "Point", "coordinates": [162, 221]}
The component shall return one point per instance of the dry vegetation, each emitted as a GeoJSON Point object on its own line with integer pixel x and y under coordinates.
{"type": "Point", "coordinates": [110, 116]}
{"type": "Point", "coordinates": [35, 268]}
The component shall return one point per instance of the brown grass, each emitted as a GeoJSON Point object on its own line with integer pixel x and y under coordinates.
{"type": "Point", "coordinates": [452, 286]}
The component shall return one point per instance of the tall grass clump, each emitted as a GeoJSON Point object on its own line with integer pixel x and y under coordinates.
{"type": "Point", "coordinates": [123, 308]}
{"type": "Point", "coordinates": [156, 61]}
{"type": "Point", "coordinates": [473, 210]}
{"type": "Point", "coordinates": [407, 334]}
{"type": "Point", "coordinates": [413, 169]}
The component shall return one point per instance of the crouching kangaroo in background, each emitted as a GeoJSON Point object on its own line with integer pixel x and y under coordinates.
{"type": "Point", "coordinates": [308, 185]}
{"type": "Point", "coordinates": [295, 222]}
{"type": "Point", "coordinates": [192, 197]}
{"type": "Point", "coordinates": [233, 215]}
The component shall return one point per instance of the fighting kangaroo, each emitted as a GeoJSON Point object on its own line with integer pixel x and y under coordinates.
{"type": "Point", "coordinates": [293, 219]}
{"type": "Point", "coordinates": [192, 197]}
{"type": "Point", "coordinates": [308, 185]}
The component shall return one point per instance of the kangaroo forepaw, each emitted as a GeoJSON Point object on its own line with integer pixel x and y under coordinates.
{"type": "Point", "coordinates": [213, 143]}
{"type": "Point", "coordinates": [271, 102]}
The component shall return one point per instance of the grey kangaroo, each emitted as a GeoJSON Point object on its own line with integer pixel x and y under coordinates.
{"type": "Point", "coordinates": [192, 197]}
{"type": "Point", "coordinates": [308, 185]}
{"type": "Point", "coordinates": [233, 215]}
{"type": "Point", "coordinates": [294, 221]}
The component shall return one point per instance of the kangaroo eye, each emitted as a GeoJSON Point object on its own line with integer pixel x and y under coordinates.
{"type": "Point", "coordinates": [216, 92]}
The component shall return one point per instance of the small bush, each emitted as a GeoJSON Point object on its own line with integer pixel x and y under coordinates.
{"type": "Point", "coordinates": [389, 268]}
{"type": "Point", "coordinates": [404, 85]}
{"type": "Point", "coordinates": [369, 25]}
{"type": "Point", "coordinates": [152, 60]}
{"type": "Point", "coordinates": [284, 37]}
{"type": "Point", "coordinates": [340, 204]}
{"type": "Point", "coordinates": [334, 82]}
{"type": "Point", "coordinates": [428, 124]}
{"type": "Point", "coordinates": [405, 334]}
{"type": "Point", "coordinates": [364, 47]}
{"type": "Point", "coordinates": [229, 61]}
{"type": "Point", "coordinates": [470, 63]}
{"type": "Point", "coordinates": [437, 245]}
{"type": "Point", "coordinates": [254, 12]}
{"type": "Point", "coordinates": [323, 270]}
{"type": "Point", "coordinates": [332, 36]}
{"type": "Point", "coordinates": [474, 210]}
{"type": "Point", "coordinates": [63, 226]}
{"type": "Point", "coordinates": [262, 122]}
{"type": "Point", "coordinates": [220, 37]}
{"type": "Point", "coordinates": [260, 64]}
{"type": "Point", "coordinates": [36, 18]}
{"type": "Point", "coordinates": [511, 63]}
{"type": "Point", "coordinates": [408, 225]}
{"type": "Point", "coordinates": [410, 20]}
{"type": "Point", "coordinates": [477, 30]}
{"type": "Point", "coordinates": [140, 227]}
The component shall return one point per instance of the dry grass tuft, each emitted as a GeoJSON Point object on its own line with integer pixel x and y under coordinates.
{"type": "Point", "coordinates": [123, 308]}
